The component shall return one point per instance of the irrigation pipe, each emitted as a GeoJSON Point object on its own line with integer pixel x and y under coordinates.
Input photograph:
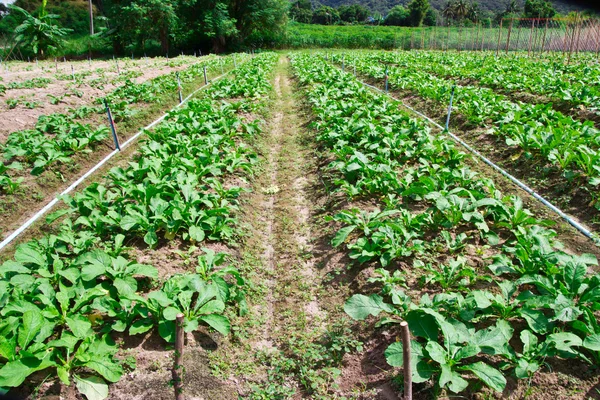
{"type": "Point", "coordinates": [486, 160]}
{"type": "Point", "coordinates": [54, 201]}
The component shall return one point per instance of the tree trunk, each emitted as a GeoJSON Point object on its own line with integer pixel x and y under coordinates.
{"type": "Point", "coordinates": [164, 40]}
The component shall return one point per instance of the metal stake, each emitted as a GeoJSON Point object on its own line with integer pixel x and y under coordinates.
{"type": "Point", "coordinates": [112, 126]}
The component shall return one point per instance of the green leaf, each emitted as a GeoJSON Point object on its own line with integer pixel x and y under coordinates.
{"type": "Point", "coordinates": [421, 370]}
{"type": "Point", "coordinates": [110, 370]}
{"type": "Point", "coordinates": [360, 306]}
{"type": "Point", "coordinates": [341, 235]}
{"type": "Point", "coordinates": [29, 253]}
{"type": "Point", "coordinates": [92, 271]}
{"type": "Point", "coordinates": [422, 324]}
{"type": "Point", "coordinates": [453, 379]}
{"type": "Point", "coordinates": [93, 387]}
{"type": "Point", "coordinates": [14, 373]}
{"type": "Point", "coordinates": [592, 342]}
{"type": "Point", "coordinates": [79, 325]}
{"type": "Point", "coordinates": [219, 323]}
{"type": "Point", "coordinates": [170, 313]}
{"type": "Point", "coordinates": [32, 324]}
{"type": "Point", "coordinates": [488, 375]}
{"type": "Point", "coordinates": [128, 222]}
{"type": "Point", "coordinates": [150, 238]}
{"type": "Point", "coordinates": [141, 326]}
{"type": "Point", "coordinates": [436, 352]}
{"type": "Point", "coordinates": [196, 233]}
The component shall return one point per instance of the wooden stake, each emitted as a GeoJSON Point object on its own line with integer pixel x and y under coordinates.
{"type": "Point", "coordinates": [406, 360]}
{"type": "Point", "coordinates": [499, 36]}
{"type": "Point", "coordinates": [573, 39]}
{"type": "Point", "coordinates": [509, 32]}
{"type": "Point", "coordinates": [178, 363]}
{"type": "Point", "coordinates": [544, 39]}
{"type": "Point", "coordinates": [530, 38]}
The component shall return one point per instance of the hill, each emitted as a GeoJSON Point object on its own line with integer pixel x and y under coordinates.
{"type": "Point", "coordinates": [383, 6]}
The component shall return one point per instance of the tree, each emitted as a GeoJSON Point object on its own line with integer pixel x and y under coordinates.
{"type": "Point", "coordinates": [326, 15]}
{"type": "Point", "coordinates": [538, 9]}
{"type": "Point", "coordinates": [39, 35]}
{"type": "Point", "coordinates": [301, 11]}
{"type": "Point", "coordinates": [417, 10]}
{"type": "Point", "coordinates": [353, 13]}
{"type": "Point", "coordinates": [430, 17]}
{"type": "Point", "coordinates": [137, 21]}
{"type": "Point", "coordinates": [398, 16]}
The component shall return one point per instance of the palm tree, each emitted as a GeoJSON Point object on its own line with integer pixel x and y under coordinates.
{"type": "Point", "coordinates": [39, 34]}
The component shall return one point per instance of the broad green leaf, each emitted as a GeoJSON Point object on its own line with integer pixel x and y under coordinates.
{"type": "Point", "coordinates": [141, 326]}
{"type": "Point", "coordinates": [436, 352]}
{"type": "Point", "coordinates": [110, 370]}
{"type": "Point", "coordinates": [29, 253]}
{"type": "Point", "coordinates": [170, 313]}
{"type": "Point", "coordinates": [421, 370]}
{"type": "Point", "coordinates": [32, 324]}
{"type": "Point", "coordinates": [14, 373]}
{"type": "Point", "coordinates": [93, 387]}
{"type": "Point", "coordinates": [150, 238]}
{"type": "Point", "coordinates": [452, 379]}
{"type": "Point", "coordinates": [488, 375]}
{"type": "Point", "coordinates": [219, 323]}
{"type": "Point", "coordinates": [360, 306]}
{"type": "Point", "coordinates": [92, 271]}
{"type": "Point", "coordinates": [79, 325]}
{"type": "Point", "coordinates": [592, 342]}
{"type": "Point", "coordinates": [196, 233]}
{"type": "Point", "coordinates": [341, 235]}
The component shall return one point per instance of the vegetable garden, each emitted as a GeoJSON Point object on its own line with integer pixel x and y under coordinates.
{"type": "Point", "coordinates": [294, 217]}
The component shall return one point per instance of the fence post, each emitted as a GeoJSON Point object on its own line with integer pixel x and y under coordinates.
{"type": "Point", "coordinates": [72, 72]}
{"type": "Point", "coordinates": [405, 334]}
{"type": "Point", "coordinates": [499, 36]}
{"type": "Point", "coordinates": [579, 29]}
{"type": "Point", "coordinates": [178, 359]}
{"type": "Point", "coordinates": [422, 38]}
{"type": "Point", "coordinates": [597, 39]}
{"type": "Point", "coordinates": [509, 32]}
{"type": "Point", "coordinates": [544, 38]}
{"type": "Point", "coordinates": [111, 122]}
{"type": "Point", "coordinates": [448, 36]}
{"type": "Point", "coordinates": [573, 39]}
{"type": "Point", "coordinates": [205, 76]}
{"type": "Point", "coordinates": [530, 38]}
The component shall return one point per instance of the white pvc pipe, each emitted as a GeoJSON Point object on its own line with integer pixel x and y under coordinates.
{"type": "Point", "coordinates": [54, 201]}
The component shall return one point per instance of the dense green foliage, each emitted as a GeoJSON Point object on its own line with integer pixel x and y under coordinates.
{"type": "Point", "coordinates": [63, 295]}
{"type": "Point", "coordinates": [523, 305]}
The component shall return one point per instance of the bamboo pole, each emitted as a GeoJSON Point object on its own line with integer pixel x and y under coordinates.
{"type": "Point", "coordinates": [579, 29]}
{"type": "Point", "coordinates": [508, 37]}
{"type": "Point", "coordinates": [597, 39]}
{"type": "Point", "coordinates": [573, 39]}
{"type": "Point", "coordinates": [178, 364]}
{"type": "Point", "coordinates": [499, 36]}
{"type": "Point", "coordinates": [544, 39]}
{"type": "Point", "coordinates": [530, 38]}
{"type": "Point", "coordinates": [422, 38]}
{"type": "Point", "coordinates": [406, 360]}
{"type": "Point", "coordinates": [448, 37]}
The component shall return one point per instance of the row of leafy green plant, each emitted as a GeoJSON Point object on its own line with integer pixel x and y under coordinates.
{"type": "Point", "coordinates": [58, 136]}
{"type": "Point", "coordinates": [502, 298]}
{"type": "Point", "coordinates": [66, 296]}
{"type": "Point", "coordinates": [571, 146]}
{"type": "Point", "coordinates": [572, 84]}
